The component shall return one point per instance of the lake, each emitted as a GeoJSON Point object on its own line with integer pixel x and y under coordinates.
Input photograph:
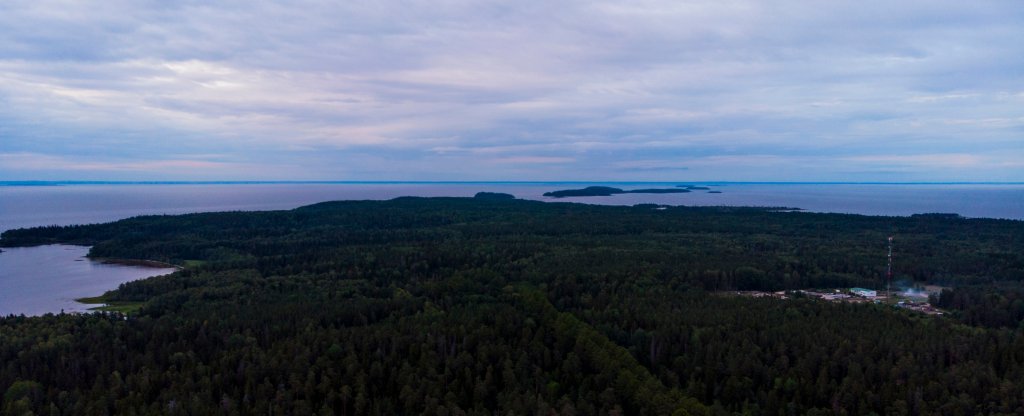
{"type": "Point", "coordinates": [37, 280]}
{"type": "Point", "coordinates": [47, 279]}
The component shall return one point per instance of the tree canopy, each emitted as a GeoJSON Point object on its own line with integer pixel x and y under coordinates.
{"type": "Point", "coordinates": [482, 305]}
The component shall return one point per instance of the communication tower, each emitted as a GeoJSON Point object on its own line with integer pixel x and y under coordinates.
{"type": "Point", "coordinates": [888, 272]}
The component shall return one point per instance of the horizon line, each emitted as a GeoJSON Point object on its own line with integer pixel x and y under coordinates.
{"type": "Point", "coordinates": [356, 182]}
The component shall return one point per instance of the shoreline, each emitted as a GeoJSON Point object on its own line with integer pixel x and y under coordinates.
{"type": "Point", "coordinates": [137, 262]}
{"type": "Point", "coordinates": [102, 304]}
{"type": "Point", "coordinates": [76, 283]}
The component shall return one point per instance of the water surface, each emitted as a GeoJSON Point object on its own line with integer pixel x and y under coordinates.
{"type": "Point", "coordinates": [42, 279]}
{"type": "Point", "coordinates": [27, 206]}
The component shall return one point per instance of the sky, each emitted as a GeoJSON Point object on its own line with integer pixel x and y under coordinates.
{"type": "Point", "coordinates": [678, 90]}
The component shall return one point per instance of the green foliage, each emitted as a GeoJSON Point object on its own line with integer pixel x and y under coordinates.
{"type": "Point", "coordinates": [476, 306]}
{"type": "Point", "coordinates": [110, 305]}
{"type": "Point", "coordinates": [999, 305]}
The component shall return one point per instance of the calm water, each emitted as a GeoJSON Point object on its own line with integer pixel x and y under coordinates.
{"type": "Point", "coordinates": [46, 279]}
{"type": "Point", "coordinates": [25, 206]}
{"type": "Point", "coordinates": [37, 280]}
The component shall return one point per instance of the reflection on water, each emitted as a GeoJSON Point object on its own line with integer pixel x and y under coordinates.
{"type": "Point", "coordinates": [37, 280]}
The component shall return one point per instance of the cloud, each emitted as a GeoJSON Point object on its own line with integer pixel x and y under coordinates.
{"type": "Point", "coordinates": [187, 168]}
{"type": "Point", "coordinates": [411, 90]}
{"type": "Point", "coordinates": [939, 161]}
{"type": "Point", "coordinates": [532, 160]}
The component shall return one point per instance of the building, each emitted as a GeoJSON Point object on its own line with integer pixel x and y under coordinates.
{"type": "Point", "coordinates": [867, 293]}
{"type": "Point", "coordinates": [835, 296]}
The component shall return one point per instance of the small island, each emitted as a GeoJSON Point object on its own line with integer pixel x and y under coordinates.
{"type": "Point", "coordinates": [609, 191]}
{"type": "Point", "coordinates": [499, 196]}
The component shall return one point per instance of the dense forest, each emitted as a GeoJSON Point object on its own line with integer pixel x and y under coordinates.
{"type": "Point", "coordinates": [609, 191]}
{"type": "Point", "coordinates": [480, 306]}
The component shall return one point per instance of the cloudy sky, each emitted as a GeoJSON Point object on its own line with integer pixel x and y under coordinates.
{"type": "Point", "coordinates": [512, 90]}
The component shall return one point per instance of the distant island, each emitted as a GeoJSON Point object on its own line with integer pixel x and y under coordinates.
{"type": "Point", "coordinates": [494, 196]}
{"type": "Point", "coordinates": [609, 191]}
{"type": "Point", "coordinates": [693, 187]}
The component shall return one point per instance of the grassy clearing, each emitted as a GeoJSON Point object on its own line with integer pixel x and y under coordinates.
{"type": "Point", "coordinates": [194, 263]}
{"type": "Point", "coordinates": [110, 306]}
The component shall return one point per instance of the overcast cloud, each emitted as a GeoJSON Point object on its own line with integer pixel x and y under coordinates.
{"type": "Point", "coordinates": [525, 90]}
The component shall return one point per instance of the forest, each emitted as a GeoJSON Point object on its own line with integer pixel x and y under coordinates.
{"type": "Point", "coordinates": [609, 191]}
{"type": "Point", "coordinates": [492, 305]}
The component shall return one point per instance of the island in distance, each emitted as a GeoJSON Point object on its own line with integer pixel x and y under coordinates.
{"type": "Point", "coordinates": [498, 196]}
{"type": "Point", "coordinates": [699, 188]}
{"type": "Point", "coordinates": [609, 191]}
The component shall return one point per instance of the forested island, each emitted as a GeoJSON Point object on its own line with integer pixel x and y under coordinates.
{"type": "Point", "coordinates": [608, 191]}
{"type": "Point", "coordinates": [494, 196]}
{"type": "Point", "coordinates": [492, 305]}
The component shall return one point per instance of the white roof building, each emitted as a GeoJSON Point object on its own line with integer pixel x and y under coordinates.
{"type": "Point", "coordinates": [867, 293]}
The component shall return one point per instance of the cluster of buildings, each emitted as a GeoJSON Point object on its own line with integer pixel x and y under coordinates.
{"type": "Point", "coordinates": [854, 295]}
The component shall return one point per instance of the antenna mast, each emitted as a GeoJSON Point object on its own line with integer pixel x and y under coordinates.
{"type": "Point", "coordinates": [888, 273]}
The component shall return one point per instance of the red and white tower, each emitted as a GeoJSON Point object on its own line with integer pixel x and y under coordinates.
{"type": "Point", "coordinates": [888, 273]}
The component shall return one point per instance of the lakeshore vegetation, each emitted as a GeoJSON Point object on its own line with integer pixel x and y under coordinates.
{"type": "Point", "coordinates": [477, 306]}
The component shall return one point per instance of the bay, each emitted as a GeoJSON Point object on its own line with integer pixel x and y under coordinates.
{"type": "Point", "coordinates": [48, 279]}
